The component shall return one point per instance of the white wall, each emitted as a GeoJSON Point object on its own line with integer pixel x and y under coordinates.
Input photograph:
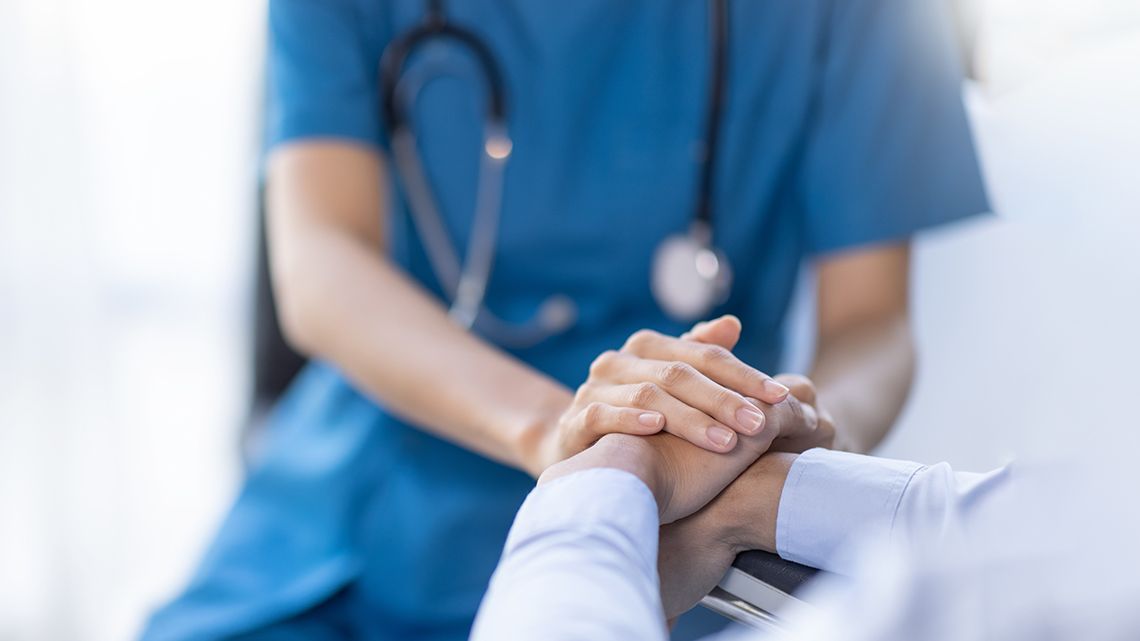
{"type": "Point", "coordinates": [1029, 324]}
{"type": "Point", "coordinates": [127, 174]}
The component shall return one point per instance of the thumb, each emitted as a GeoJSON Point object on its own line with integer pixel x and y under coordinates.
{"type": "Point", "coordinates": [801, 387]}
{"type": "Point", "coordinates": [723, 331]}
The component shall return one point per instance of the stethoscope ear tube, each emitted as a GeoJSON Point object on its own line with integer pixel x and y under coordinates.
{"type": "Point", "coordinates": [466, 286]}
{"type": "Point", "coordinates": [425, 213]}
{"type": "Point", "coordinates": [465, 282]}
{"type": "Point", "coordinates": [484, 229]}
{"type": "Point", "coordinates": [395, 59]}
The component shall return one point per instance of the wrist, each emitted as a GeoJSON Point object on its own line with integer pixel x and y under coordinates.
{"type": "Point", "coordinates": [744, 515]}
{"type": "Point", "coordinates": [535, 442]}
{"type": "Point", "coordinates": [632, 454]}
{"type": "Point", "coordinates": [638, 456]}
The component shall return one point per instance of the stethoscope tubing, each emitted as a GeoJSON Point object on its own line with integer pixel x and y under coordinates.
{"type": "Point", "coordinates": [465, 283]}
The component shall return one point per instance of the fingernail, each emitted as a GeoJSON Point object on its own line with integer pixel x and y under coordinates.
{"type": "Point", "coordinates": [749, 420]}
{"type": "Point", "coordinates": [650, 420]}
{"type": "Point", "coordinates": [774, 388]}
{"type": "Point", "coordinates": [721, 436]}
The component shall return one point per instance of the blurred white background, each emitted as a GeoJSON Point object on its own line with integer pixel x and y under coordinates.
{"type": "Point", "coordinates": [129, 133]}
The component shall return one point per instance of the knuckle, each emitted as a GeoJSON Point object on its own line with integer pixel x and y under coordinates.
{"type": "Point", "coordinates": [795, 408]}
{"type": "Point", "coordinates": [715, 355]}
{"type": "Point", "coordinates": [752, 378]}
{"type": "Point", "coordinates": [790, 415]}
{"type": "Point", "coordinates": [675, 373]}
{"type": "Point", "coordinates": [643, 394]}
{"type": "Point", "coordinates": [584, 391]}
{"type": "Point", "coordinates": [640, 339]}
{"type": "Point", "coordinates": [593, 415]}
{"type": "Point", "coordinates": [726, 398]}
{"type": "Point", "coordinates": [603, 362]}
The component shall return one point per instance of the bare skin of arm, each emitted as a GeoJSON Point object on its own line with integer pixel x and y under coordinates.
{"type": "Point", "coordinates": [695, 552]}
{"type": "Point", "coordinates": [865, 356]}
{"type": "Point", "coordinates": [864, 360]}
{"type": "Point", "coordinates": [342, 300]}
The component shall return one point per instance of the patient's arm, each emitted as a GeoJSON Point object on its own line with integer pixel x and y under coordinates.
{"type": "Point", "coordinates": [580, 561]}
{"type": "Point", "coordinates": [808, 508]}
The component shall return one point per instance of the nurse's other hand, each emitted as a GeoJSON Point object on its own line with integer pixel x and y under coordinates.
{"type": "Point", "coordinates": [699, 389]}
{"type": "Point", "coordinates": [805, 423]}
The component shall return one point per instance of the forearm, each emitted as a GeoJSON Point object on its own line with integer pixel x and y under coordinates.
{"type": "Point", "coordinates": [744, 515]}
{"type": "Point", "coordinates": [344, 302]}
{"type": "Point", "coordinates": [810, 508]}
{"type": "Point", "coordinates": [863, 376]}
{"type": "Point", "coordinates": [579, 563]}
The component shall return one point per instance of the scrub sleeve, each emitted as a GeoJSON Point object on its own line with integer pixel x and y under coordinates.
{"type": "Point", "coordinates": [889, 151]}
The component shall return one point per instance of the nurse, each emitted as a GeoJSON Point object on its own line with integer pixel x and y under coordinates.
{"type": "Point", "coordinates": [390, 473]}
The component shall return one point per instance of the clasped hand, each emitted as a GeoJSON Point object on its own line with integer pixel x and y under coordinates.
{"type": "Point", "coordinates": [688, 418]}
{"type": "Point", "coordinates": [692, 387]}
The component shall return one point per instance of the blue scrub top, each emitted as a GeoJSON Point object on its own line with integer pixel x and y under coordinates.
{"type": "Point", "coordinates": [843, 126]}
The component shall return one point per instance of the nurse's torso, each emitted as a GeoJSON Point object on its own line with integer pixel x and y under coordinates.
{"type": "Point", "coordinates": [606, 108]}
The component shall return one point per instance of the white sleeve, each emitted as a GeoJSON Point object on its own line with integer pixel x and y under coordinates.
{"type": "Point", "coordinates": [830, 497]}
{"type": "Point", "coordinates": [580, 563]}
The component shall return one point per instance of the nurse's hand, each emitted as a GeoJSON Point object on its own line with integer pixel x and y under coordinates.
{"type": "Point", "coordinates": [805, 424]}
{"type": "Point", "coordinates": [656, 382]}
{"type": "Point", "coordinates": [682, 477]}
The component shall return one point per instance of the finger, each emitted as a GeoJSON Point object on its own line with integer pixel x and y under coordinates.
{"type": "Point", "coordinates": [689, 335]}
{"type": "Point", "coordinates": [800, 386]}
{"type": "Point", "coordinates": [790, 419]}
{"type": "Point", "coordinates": [714, 361]}
{"type": "Point", "coordinates": [825, 433]}
{"type": "Point", "coordinates": [688, 385]}
{"type": "Point", "coordinates": [681, 420]}
{"type": "Point", "coordinates": [822, 436]}
{"type": "Point", "coordinates": [598, 419]}
{"type": "Point", "coordinates": [723, 331]}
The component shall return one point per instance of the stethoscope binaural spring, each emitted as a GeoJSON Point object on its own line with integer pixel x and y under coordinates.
{"type": "Point", "coordinates": [690, 275]}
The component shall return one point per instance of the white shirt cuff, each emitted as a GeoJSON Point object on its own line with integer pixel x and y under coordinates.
{"type": "Point", "coordinates": [618, 503]}
{"type": "Point", "coordinates": [830, 497]}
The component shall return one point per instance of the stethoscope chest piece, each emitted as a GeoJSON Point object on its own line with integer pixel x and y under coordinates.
{"type": "Point", "coordinates": [690, 277]}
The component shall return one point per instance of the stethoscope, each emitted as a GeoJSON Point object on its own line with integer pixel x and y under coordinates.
{"type": "Point", "coordinates": [690, 275]}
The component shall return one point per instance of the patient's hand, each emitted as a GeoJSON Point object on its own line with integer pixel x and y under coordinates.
{"type": "Point", "coordinates": [696, 552]}
{"type": "Point", "coordinates": [682, 477]}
